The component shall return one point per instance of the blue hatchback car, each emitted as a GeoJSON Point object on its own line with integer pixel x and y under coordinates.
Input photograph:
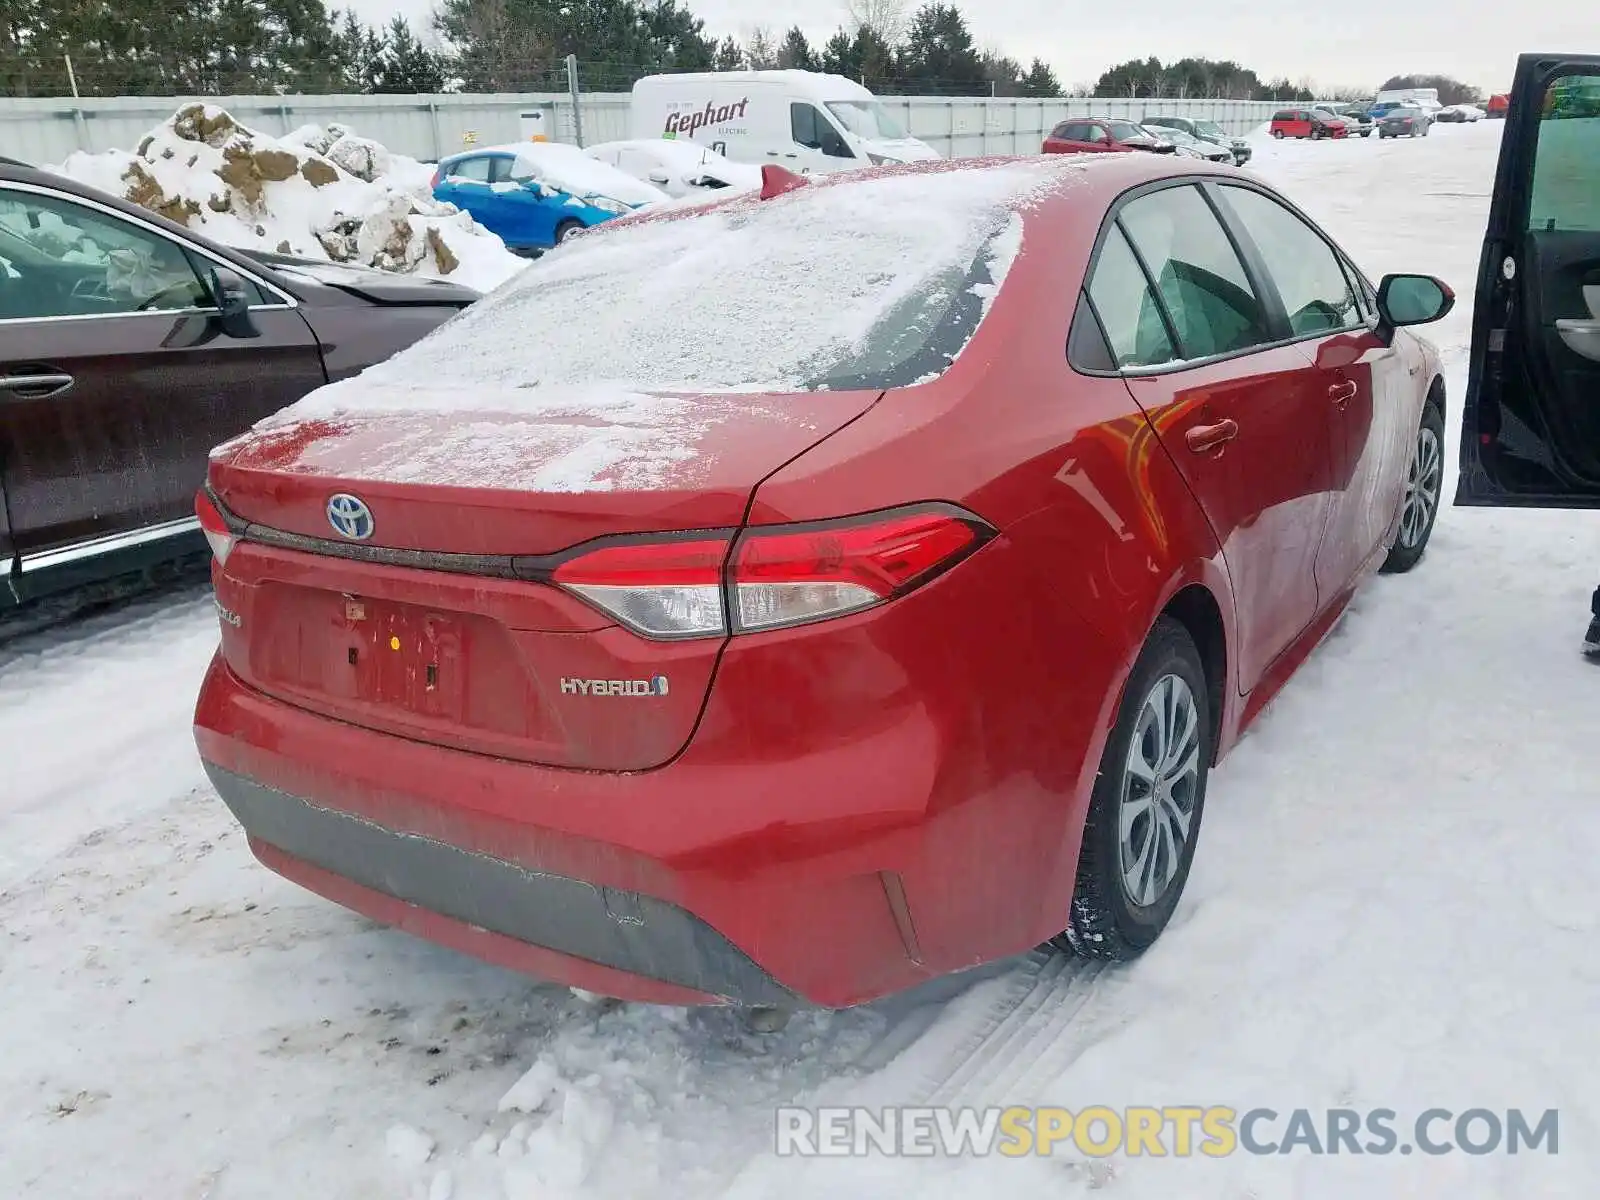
{"type": "Point", "coordinates": [535, 195]}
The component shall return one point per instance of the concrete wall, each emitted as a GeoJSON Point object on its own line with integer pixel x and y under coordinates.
{"type": "Point", "coordinates": [428, 127]}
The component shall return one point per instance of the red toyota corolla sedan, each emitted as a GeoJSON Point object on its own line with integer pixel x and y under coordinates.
{"type": "Point", "coordinates": [790, 599]}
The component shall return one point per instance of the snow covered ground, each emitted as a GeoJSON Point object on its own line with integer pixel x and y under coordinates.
{"type": "Point", "coordinates": [1392, 906]}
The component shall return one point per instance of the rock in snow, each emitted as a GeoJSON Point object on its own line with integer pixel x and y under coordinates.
{"type": "Point", "coordinates": [319, 193]}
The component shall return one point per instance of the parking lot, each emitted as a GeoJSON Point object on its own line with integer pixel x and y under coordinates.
{"type": "Point", "coordinates": [1392, 909]}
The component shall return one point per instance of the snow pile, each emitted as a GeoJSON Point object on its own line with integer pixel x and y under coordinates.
{"type": "Point", "coordinates": [318, 193]}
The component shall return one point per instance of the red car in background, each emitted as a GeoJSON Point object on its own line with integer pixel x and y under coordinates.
{"type": "Point", "coordinates": [1307, 123]}
{"type": "Point", "coordinates": [1498, 106]}
{"type": "Point", "coordinates": [1090, 135]}
{"type": "Point", "coordinates": [871, 614]}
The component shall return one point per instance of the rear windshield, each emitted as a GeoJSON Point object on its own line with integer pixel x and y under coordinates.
{"type": "Point", "coordinates": [871, 283]}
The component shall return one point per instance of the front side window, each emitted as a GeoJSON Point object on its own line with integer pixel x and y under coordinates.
{"type": "Point", "coordinates": [811, 129]}
{"type": "Point", "coordinates": [63, 259]}
{"type": "Point", "coordinates": [1316, 293]}
{"type": "Point", "coordinates": [1213, 307]}
{"type": "Point", "coordinates": [1127, 307]}
{"type": "Point", "coordinates": [868, 119]}
{"type": "Point", "coordinates": [1565, 194]}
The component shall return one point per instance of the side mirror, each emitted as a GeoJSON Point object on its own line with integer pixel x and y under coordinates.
{"type": "Point", "coordinates": [660, 178]}
{"type": "Point", "coordinates": [232, 296]}
{"type": "Point", "coordinates": [1413, 300]}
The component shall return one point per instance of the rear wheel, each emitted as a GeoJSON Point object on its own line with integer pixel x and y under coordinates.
{"type": "Point", "coordinates": [1424, 481]}
{"type": "Point", "coordinates": [1144, 815]}
{"type": "Point", "coordinates": [568, 230]}
{"type": "Point", "coordinates": [1278, 133]}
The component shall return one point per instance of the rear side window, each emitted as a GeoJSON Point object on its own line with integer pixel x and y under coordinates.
{"type": "Point", "coordinates": [1283, 116]}
{"type": "Point", "coordinates": [1310, 279]}
{"type": "Point", "coordinates": [1127, 307]}
{"type": "Point", "coordinates": [475, 169]}
{"type": "Point", "coordinates": [1213, 307]}
{"type": "Point", "coordinates": [1566, 166]}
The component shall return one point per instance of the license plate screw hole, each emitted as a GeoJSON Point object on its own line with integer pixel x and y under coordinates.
{"type": "Point", "coordinates": [433, 676]}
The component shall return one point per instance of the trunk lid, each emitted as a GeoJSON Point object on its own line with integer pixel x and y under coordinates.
{"type": "Point", "coordinates": [425, 629]}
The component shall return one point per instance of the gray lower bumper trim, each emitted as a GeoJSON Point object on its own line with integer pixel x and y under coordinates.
{"type": "Point", "coordinates": [625, 930]}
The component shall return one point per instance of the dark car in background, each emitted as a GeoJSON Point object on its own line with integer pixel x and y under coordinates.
{"type": "Point", "coordinates": [1091, 135]}
{"type": "Point", "coordinates": [1530, 424]}
{"type": "Point", "coordinates": [130, 346]}
{"type": "Point", "coordinates": [1406, 121]}
{"type": "Point", "coordinates": [1208, 131]}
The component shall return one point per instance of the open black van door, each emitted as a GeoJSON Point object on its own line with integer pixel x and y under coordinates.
{"type": "Point", "coordinates": [1530, 425]}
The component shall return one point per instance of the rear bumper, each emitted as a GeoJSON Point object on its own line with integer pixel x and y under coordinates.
{"type": "Point", "coordinates": [589, 935]}
{"type": "Point", "coordinates": [829, 870]}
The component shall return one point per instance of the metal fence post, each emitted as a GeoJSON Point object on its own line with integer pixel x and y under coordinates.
{"type": "Point", "coordinates": [577, 103]}
{"type": "Point", "coordinates": [433, 120]}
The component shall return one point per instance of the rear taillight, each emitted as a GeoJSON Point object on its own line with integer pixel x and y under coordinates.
{"type": "Point", "coordinates": [770, 577]}
{"type": "Point", "coordinates": [670, 589]}
{"type": "Point", "coordinates": [788, 578]}
{"type": "Point", "coordinates": [434, 182]}
{"type": "Point", "coordinates": [222, 539]}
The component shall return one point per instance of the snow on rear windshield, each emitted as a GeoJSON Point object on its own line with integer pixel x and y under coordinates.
{"type": "Point", "coordinates": [869, 283]}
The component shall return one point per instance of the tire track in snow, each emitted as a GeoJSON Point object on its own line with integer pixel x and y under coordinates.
{"type": "Point", "coordinates": [1018, 1031]}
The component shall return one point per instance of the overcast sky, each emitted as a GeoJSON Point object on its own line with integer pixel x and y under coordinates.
{"type": "Point", "coordinates": [1350, 44]}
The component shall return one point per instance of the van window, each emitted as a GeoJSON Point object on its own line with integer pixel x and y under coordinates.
{"type": "Point", "coordinates": [867, 118]}
{"type": "Point", "coordinates": [1566, 178]}
{"type": "Point", "coordinates": [811, 129]}
{"type": "Point", "coordinates": [1283, 116]}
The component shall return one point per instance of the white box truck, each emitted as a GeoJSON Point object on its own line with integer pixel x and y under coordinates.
{"type": "Point", "coordinates": [801, 120]}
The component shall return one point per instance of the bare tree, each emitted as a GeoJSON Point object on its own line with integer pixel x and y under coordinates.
{"type": "Point", "coordinates": [886, 18]}
{"type": "Point", "coordinates": [761, 52]}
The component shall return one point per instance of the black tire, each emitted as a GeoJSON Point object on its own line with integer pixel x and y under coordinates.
{"type": "Point", "coordinates": [568, 229]}
{"type": "Point", "coordinates": [1106, 922]}
{"type": "Point", "coordinates": [1411, 540]}
{"type": "Point", "coordinates": [1278, 133]}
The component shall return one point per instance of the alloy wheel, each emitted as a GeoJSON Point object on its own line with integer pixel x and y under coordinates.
{"type": "Point", "coordinates": [1422, 488]}
{"type": "Point", "coordinates": [1159, 790]}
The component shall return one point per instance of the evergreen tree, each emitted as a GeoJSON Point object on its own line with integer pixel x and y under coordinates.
{"type": "Point", "coordinates": [760, 52]}
{"type": "Point", "coordinates": [1040, 82]}
{"type": "Point", "coordinates": [938, 57]}
{"type": "Point", "coordinates": [403, 65]}
{"type": "Point", "coordinates": [794, 52]}
{"type": "Point", "coordinates": [730, 55]}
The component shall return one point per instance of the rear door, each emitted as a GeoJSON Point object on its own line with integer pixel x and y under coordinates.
{"type": "Point", "coordinates": [116, 379]}
{"type": "Point", "coordinates": [1243, 420]}
{"type": "Point", "coordinates": [1530, 426]}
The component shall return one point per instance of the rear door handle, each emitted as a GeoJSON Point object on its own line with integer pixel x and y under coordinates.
{"type": "Point", "coordinates": [1204, 438]}
{"type": "Point", "coordinates": [35, 387]}
{"type": "Point", "coordinates": [1342, 393]}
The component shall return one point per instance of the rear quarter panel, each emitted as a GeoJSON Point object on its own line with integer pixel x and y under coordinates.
{"type": "Point", "coordinates": [356, 336]}
{"type": "Point", "coordinates": [1098, 533]}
